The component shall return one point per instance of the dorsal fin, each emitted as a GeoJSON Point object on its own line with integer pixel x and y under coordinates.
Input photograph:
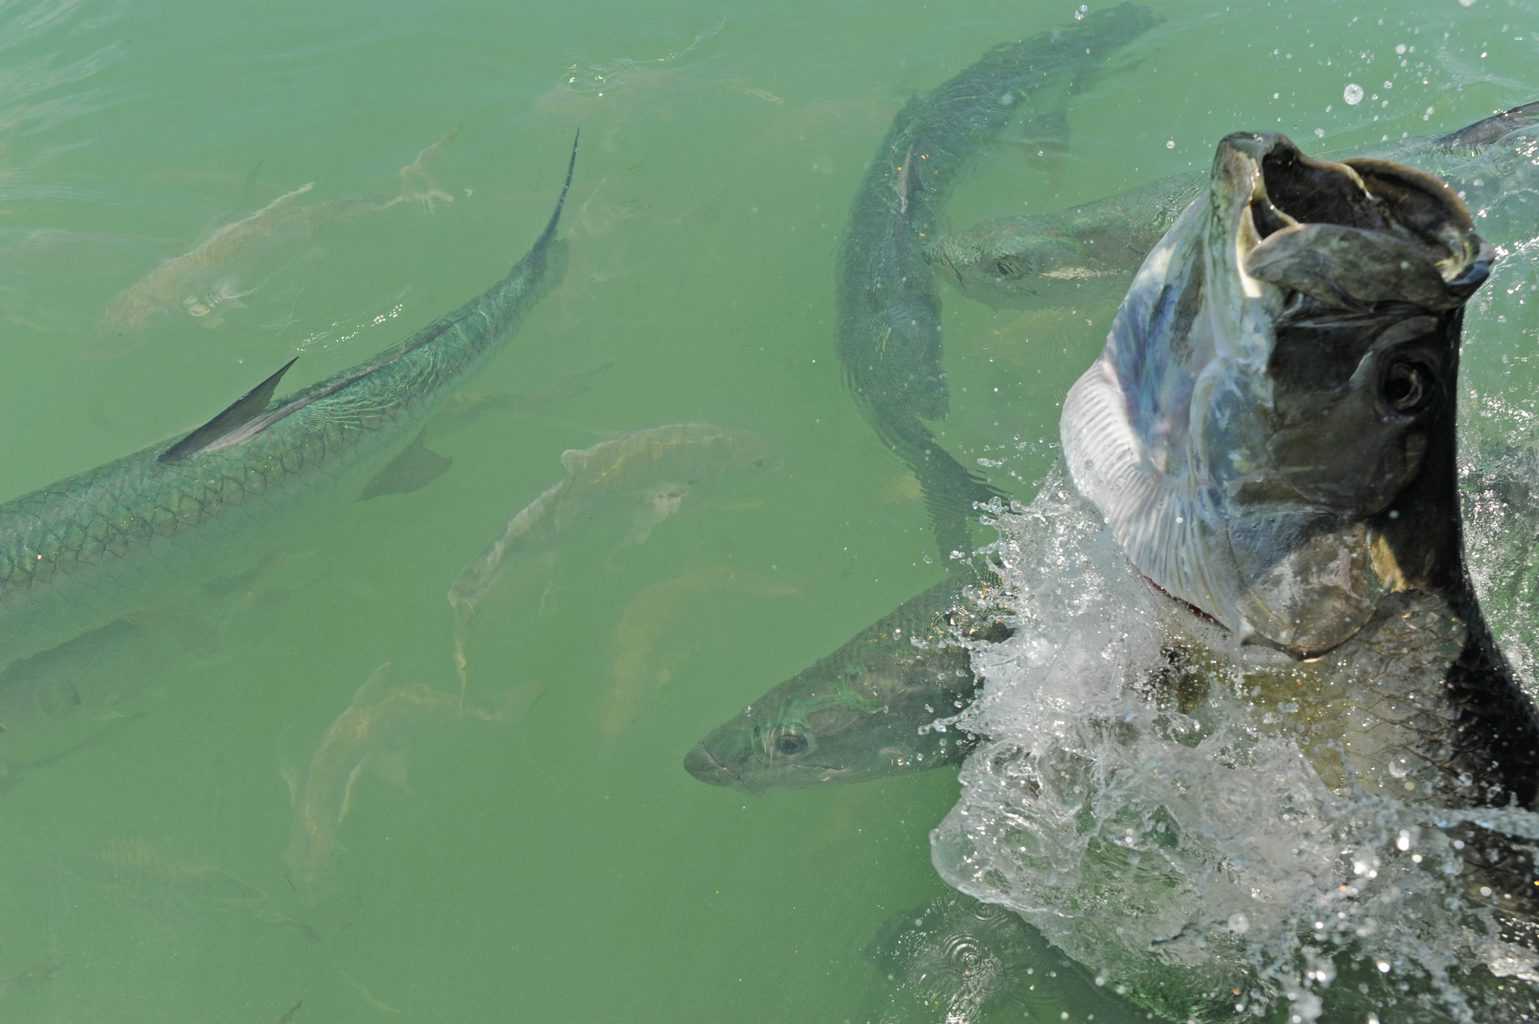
{"type": "Point", "coordinates": [239, 413]}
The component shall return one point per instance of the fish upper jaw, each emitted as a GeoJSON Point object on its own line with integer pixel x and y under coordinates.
{"type": "Point", "coordinates": [703, 765]}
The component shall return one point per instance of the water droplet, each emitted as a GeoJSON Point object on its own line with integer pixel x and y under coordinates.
{"type": "Point", "coordinates": [1353, 94]}
{"type": "Point", "coordinates": [1084, 9]}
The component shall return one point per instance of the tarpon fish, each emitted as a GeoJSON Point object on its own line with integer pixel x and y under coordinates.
{"type": "Point", "coordinates": [866, 710]}
{"type": "Point", "coordinates": [889, 304]}
{"type": "Point", "coordinates": [81, 552]}
{"type": "Point", "coordinates": [1046, 259]}
{"type": "Point", "coordinates": [364, 738]}
{"type": "Point", "coordinates": [1269, 436]}
{"type": "Point", "coordinates": [642, 478]}
{"type": "Point", "coordinates": [203, 278]}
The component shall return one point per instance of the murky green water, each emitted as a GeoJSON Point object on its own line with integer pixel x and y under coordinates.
{"type": "Point", "coordinates": [547, 859]}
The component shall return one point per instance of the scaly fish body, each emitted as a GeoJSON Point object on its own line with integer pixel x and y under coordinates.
{"type": "Point", "coordinates": [81, 551]}
{"type": "Point", "coordinates": [889, 304]}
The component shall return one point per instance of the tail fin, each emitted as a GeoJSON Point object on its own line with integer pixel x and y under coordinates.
{"type": "Point", "coordinates": [555, 216]}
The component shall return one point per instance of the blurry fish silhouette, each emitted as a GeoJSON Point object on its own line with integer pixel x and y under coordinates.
{"type": "Point", "coordinates": [366, 738]}
{"type": "Point", "coordinates": [628, 485]}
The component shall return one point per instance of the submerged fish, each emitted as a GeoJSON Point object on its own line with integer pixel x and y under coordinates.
{"type": "Point", "coordinates": [642, 478]}
{"type": "Point", "coordinates": [643, 632]}
{"type": "Point", "coordinates": [889, 305]}
{"type": "Point", "coordinates": [1047, 258]}
{"type": "Point", "coordinates": [863, 711]}
{"type": "Point", "coordinates": [81, 552]}
{"type": "Point", "coordinates": [200, 280]}
{"type": "Point", "coordinates": [363, 739]}
{"type": "Point", "coordinates": [173, 885]}
{"type": "Point", "coordinates": [180, 279]}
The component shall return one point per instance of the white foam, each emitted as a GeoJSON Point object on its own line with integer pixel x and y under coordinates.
{"type": "Point", "coordinates": [1194, 859]}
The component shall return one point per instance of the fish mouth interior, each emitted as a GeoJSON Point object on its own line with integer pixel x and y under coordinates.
{"type": "Point", "coordinates": [1292, 189]}
{"type": "Point", "coordinates": [1349, 234]}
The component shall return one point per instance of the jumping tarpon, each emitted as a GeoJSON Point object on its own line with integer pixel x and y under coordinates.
{"type": "Point", "coordinates": [889, 304]}
{"type": "Point", "coordinates": [81, 552]}
{"type": "Point", "coordinates": [1049, 258]}
{"type": "Point", "coordinates": [1270, 436]}
{"type": "Point", "coordinates": [1268, 441]}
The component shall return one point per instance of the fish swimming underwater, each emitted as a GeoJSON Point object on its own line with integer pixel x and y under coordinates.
{"type": "Point", "coordinates": [862, 711]}
{"type": "Point", "coordinates": [1046, 259]}
{"type": "Point", "coordinates": [630, 484]}
{"type": "Point", "coordinates": [197, 282]}
{"type": "Point", "coordinates": [365, 737]}
{"type": "Point", "coordinates": [83, 551]}
{"type": "Point", "coordinates": [889, 305]}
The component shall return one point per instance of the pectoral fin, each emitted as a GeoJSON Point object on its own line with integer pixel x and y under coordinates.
{"type": "Point", "coordinates": [225, 429]}
{"type": "Point", "coordinates": [413, 469]}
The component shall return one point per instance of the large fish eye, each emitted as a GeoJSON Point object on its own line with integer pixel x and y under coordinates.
{"type": "Point", "coordinates": [790, 743]}
{"type": "Point", "coordinates": [1407, 386]}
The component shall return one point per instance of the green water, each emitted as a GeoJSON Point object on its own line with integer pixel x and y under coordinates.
{"type": "Point", "coordinates": [556, 863]}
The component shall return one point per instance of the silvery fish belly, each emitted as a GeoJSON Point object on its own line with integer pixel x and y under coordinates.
{"type": "Point", "coordinates": [1275, 392]}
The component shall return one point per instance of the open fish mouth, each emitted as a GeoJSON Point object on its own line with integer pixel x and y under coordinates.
{"type": "Point", "coordinates": [1277, 390]}
{"type": "Point", "coordinates": [1346, 234]}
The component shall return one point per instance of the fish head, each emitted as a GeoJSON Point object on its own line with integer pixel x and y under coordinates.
{"type": "Point", "coordinates": [844, 721]}
{"type": "Point", "coordinates": [1020, 261]}
{"type": "Point", "coordinates": [1269, 432]}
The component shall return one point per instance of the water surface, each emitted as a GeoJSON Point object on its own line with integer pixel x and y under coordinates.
{"type": "Point", "coordinates": [546, 857]}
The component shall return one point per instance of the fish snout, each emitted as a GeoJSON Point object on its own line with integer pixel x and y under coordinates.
{"type": "Point", "coordinates": [703, 765]}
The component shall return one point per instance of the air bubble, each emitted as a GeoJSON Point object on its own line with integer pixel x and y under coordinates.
{"type": "Point", "coordinates": [1353, 94]}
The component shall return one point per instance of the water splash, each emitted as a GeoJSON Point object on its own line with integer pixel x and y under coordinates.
{"type": "Point", "coordinates": [1172, 833]}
